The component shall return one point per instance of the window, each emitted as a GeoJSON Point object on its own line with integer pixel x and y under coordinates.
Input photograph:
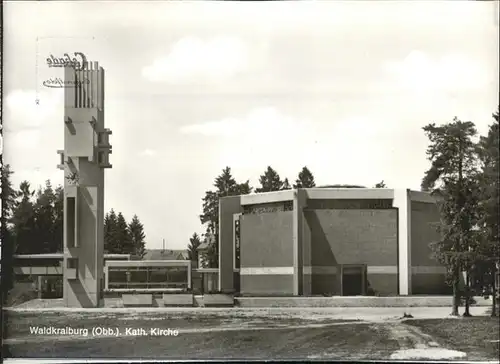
{"type": "Point", "coordinates": [117, 276]}
{"type": "Point", "coordinates": [147, 277]}
{"type": "Point", "coordinates": [72, 263]}
{"type": "Point", "coordinates": [139, 276]}
{"type": "Point", "coordinates": [237, 241]}
{"type": "Point", "coordinates": [71, 221]}
{"type": "Point", "coordinates": [102, 138]}
{"type": "Point", "coordinates": [101, 158]}
{"type": "Point", "coordinates": [158, 274]}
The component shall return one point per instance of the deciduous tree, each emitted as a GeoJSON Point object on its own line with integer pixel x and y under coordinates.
{"type": "Point", "coordinates": [225, 185]}
{"type": "Point", "coordinates": [58, 229]}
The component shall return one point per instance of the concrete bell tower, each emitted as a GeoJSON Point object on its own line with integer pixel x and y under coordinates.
{"type": "Point", "coordinates": [84, 158]}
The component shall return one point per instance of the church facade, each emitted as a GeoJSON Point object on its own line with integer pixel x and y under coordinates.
{"type": "Point", "coordinates": [322, 241]}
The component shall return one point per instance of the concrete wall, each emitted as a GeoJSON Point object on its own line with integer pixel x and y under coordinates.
{"type": "Point", "coordinates": [85, 154]}
{"type": "Point", "coordinates": [378, 228]}
{"type": "Point", "coordinates": [267, 253]}
{"type": "Point", "coordinates": [428, 276]}
{"type": "Point", "coordinates": [307, 281]}
{"type": "Point", "coordinates": [84, 291]}
{"type": "Point", "coordinates": [353, 237]}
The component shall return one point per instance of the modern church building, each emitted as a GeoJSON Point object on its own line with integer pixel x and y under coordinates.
{"type": "Point", "coordinates": [300, 242]}
{"type": "Point", "coordinates": [323, 241]}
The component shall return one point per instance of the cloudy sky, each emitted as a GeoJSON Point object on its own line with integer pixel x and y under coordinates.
{"type": "Point", "coordinates": [192, 87]}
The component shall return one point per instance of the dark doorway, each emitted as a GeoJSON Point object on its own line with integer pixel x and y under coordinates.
{"type": "Point", "coordinates": [353, 280]}
{"type": "Point", "coordinates": [52, 287]}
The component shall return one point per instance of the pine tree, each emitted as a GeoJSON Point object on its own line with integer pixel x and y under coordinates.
{"type": "Point", "coordinates": [136, 230]}
{"type": "Point", "coordinates": [45, 216]}
{"type": "Point", "coordinates": [23, 220]}
{"type": "Point", "coordinates": [286, 185]}
{"type": "Point", "coordinates": [453, 174]}
{"type": "Point", "coordinates": [7, 238]}
{"type": "Point", "coordinates": [489, 249]}
{"type": "Point", "coordinates": [194, 243]}
{"type": "Point", "coordinates": [270, 181]}
{"type": "Point", "coordinates": [124, 239]}
{"type": "Point", "coordinates": [305, 179]}
{"type": "Point", "coordinates": [110, 233]}
{"type": "Point", "coordinates": [9, 194]}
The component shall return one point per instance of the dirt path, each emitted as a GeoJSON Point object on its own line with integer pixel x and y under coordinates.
{"type": "Point", "coordinates": [414, 344]}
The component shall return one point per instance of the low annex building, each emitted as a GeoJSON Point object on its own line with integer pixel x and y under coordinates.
{"type": "Point", "coordinates": [326, 241]}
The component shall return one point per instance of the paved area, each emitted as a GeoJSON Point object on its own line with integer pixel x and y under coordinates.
{"type": "Point", "coordinates": [414, 344]}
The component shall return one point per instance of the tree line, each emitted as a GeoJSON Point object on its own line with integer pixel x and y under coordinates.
{"type": "Point", "coordinates": [121, 237]}
{"type": "Point", "coordinates": [32, 223]}
{"type": "Point", "coordinates": [226, 185]}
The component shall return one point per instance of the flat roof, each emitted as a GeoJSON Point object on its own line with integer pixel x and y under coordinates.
{"type": "Point", "coordinates": [147, 263]}
{"type": "Point", "coordinates": [334, 194]}
{"type": "Point", "coordinates": [117, 255]}
{"type": "Point", "coordinates": [61, 256]}
{"type": "Point", "coordinates": [39, 256]}
{"type": "Point", "coordinates": [206, 270]}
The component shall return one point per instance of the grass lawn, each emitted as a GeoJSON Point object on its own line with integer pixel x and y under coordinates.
{"type": "Point", "coordinates": [477, 336]}
{"type": "Point", "coordinates": [343, 342]}
{"type": "Point", "coordinates": [200, 337]}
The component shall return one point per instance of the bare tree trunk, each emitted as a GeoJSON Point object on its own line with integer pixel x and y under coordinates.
{"type": "Point", "coordinates": [494, 291]}
{"type": "Point", "coordinates": [458, 244]}
{"type": "Point", "coordinates": [467, 295]}
{"type": "Point", "coordinates": [456, 295]}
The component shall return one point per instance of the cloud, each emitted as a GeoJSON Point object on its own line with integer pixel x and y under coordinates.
{"type": "Point", "coordinates": [261, 122]}
{"type": "Point", "coordinates": [422, 74]}
{"type": "Point", "coordinates": [253, 140]}
{"type": "Point", "coordinates": [348, 148]}
{"type": "Point", "coordinates": [192, 58]}
{"type": "Point", "coordinates": [33, 133]}
{"type": "Point", "coordinates": [28, 124]}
